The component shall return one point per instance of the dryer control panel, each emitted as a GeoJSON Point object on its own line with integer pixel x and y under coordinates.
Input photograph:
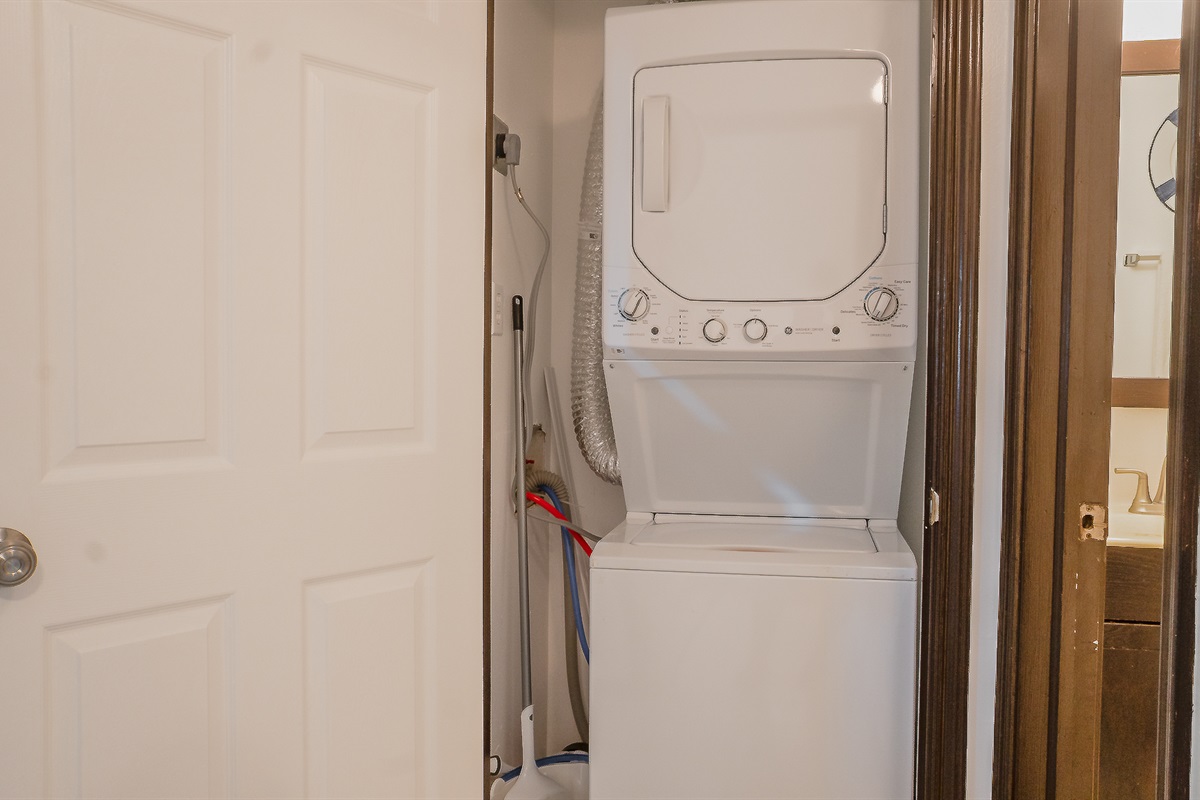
{"type": "Point", "coordinates": [873, 319]}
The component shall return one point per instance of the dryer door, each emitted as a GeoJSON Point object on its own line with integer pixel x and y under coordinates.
{"type": "Point", "coordinates": [760, 180]}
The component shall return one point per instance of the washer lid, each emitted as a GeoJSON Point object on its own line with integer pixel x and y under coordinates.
{"type": "Point", "coordinates": [760, 180]}
{"type": "Point", "coordinates": [810, 548]}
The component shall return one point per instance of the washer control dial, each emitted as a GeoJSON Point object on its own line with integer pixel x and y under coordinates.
{"type": "Point", "coordinates": [634, 304]}
{"type": "Point", "coordinates": [755, 330]}
{"type": "Point", "coordinates": [881, 304]}
{"type": "Point", "coordinates": [714, 330]}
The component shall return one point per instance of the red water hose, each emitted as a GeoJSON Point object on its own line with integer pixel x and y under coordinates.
{"type": "Point", "coordinates": [548, 506]}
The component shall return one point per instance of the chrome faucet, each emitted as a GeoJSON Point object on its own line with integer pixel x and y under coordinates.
{"type": "Point", "coordinates": [1142, 504]}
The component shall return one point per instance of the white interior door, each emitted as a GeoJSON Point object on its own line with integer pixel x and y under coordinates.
{"type": "Point", "coordinates": [241, 313]}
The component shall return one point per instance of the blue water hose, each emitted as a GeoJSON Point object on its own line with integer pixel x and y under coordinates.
{"type": "Point", "coordinates": [569, 555]}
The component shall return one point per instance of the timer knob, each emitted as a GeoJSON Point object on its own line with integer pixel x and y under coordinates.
{"type": "Point", "coordinates": [881, 304]}
{"type": "Point", "coordinates": [634, 304]}
{"type": "Point", "coordinates": [714, 330]}
{"type": "Point", "coordinates": [755, 330]}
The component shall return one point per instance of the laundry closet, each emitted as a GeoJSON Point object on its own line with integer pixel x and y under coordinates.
{"type": "Point", "coordinates": [759, 331]}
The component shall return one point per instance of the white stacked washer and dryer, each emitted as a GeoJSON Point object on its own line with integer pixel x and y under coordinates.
{"type": "Point", "coordinates": [754, 618]}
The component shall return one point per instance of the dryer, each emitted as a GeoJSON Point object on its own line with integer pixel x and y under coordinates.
{"type": "Point", "coordinates": [753, 626]}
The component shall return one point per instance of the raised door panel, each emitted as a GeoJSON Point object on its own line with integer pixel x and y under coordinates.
{"type": "Point", "coordinates": [358, 719]}
{"type": "Point", "coordinates": [368, 247]}
{"type": "Point", "coordinates": [136, 132]}
{"type": "Point", "coordinates": [138, 705]}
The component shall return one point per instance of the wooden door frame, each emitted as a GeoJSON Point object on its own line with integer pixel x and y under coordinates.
{"type": "Point", "coordinates": [1062, 223]}
{"type": "Point", "coordinates": [1052, 70]}
{"type": "Point", "coordinates": [488, 156]}
{"type": "Point", "coordinates": [954, 207]}
{"type": "Point", "coordinates": [1183, 443]}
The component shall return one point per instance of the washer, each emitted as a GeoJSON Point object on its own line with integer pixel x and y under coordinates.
{"type": "Point", "coordinates": [753, 628]}
{"type": "Point", "coordinates": [752, 660]}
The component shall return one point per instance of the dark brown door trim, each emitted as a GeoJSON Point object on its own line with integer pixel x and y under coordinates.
{"type": "Point", "coordinates": [1016, 389]}
{"type": "Point", "coordinates": [1152, 57]}
{"type": "Point", "coordinates": [1183, 441]}
{"type": "Point", "coordinates": [486, 522]}
{"type": "Point", "coordinates": [1063, 223]}
{"type": "Point", "coordinates": [1141, 393]}
{"type": "Point", "coordinates": [957, 77]}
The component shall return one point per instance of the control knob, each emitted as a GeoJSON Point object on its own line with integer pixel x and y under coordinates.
{"type": "Point", "coordinates": [881, 304]}
{"type": "Point", "coordinates": [634, 304]}
{"type": "Point", "coordinates": [755, 330]}
{"type": "Point", "coordinates": [714, 330]}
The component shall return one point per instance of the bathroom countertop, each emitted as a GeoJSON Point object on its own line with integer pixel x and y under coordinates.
{"type": "Point", "coordinates": [1134, 530]}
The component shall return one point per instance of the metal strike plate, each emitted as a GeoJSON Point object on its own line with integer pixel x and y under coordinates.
{"type": "Point", "coordinates": [1093, 522]}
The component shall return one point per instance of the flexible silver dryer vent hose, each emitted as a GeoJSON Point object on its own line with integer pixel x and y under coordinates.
{"type": "Point", "coordinates": [589, 393]}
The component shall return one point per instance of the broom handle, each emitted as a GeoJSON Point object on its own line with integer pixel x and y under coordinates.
{"type": "Point", "coordinates": [522, 515]}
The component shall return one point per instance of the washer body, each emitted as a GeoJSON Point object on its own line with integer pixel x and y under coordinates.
{"type": "Point", "coordinates": [781, 670]}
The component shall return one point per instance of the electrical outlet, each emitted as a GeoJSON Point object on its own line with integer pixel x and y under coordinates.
{"type": "Point", "coordinates": [499, 160]}
{"type": "Point", "coordinates": [497, 309]}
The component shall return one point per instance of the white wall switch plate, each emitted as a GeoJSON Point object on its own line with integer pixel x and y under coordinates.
{"type": "Point", "coordinates": [497, 309]}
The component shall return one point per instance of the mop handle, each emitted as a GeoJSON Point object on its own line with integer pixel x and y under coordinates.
{"type": "Point", "coordinates": [518, 315]}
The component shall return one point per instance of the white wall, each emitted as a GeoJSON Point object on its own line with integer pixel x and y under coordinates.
{"type": "Point", "coordinates": [523, 96]}
{"type": "Point", "coordinates": [1152, 19]}
{"type": "Point", "coordinates": [989, 440]}
{"type": "Point", "coordinates": [1142, 318]}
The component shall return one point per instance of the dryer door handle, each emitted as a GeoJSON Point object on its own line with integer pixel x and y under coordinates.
{"type": "Point", "coordinates": [656, 152]}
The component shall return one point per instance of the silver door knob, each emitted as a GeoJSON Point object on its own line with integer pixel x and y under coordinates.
{"type": "Point", "coordinates": [17, 559]}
